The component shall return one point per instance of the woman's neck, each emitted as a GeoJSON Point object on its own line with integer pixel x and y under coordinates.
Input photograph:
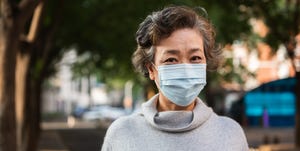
{"type": "Point", "coordinates": [164, 104]}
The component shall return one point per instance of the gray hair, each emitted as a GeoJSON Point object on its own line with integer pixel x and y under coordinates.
{"type": "Point", "coordinates": [162, 24]}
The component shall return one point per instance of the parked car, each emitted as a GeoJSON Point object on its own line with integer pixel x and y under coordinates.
{"type": "Point", "coordinates": [271, 103]}
{"type": "Point", "coordinates": [104, 113]}
{"type": "Point", "coordinates": [79, 111]}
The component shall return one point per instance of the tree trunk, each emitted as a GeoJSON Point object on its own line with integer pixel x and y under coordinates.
{"type": "Point", "coordinates": [21, 94]}
{"type": "Point", "coordinates": [9, 37]}
{"type": "Point", "coordinates": [31, 129]}
{"type": "Point", "coordinates": [29, 94]}
{"type": "Point", "coordinates": [297, 89]}
{"type": "Point", "coordinates": [28, 91]}
{"type": "Point", "coordinates": [8, 47]}
{"type": "Point", "coordinates": [89, 91]}
{"type": "Point", "coordinates": [297, 125]}
{"type": "Point", "coordinates": [23, 136]}
{"type": "Point", "coordinates": [27, 127]}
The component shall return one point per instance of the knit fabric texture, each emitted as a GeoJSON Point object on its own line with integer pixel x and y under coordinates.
{"type": "Point", "coordinates": [197, 130]}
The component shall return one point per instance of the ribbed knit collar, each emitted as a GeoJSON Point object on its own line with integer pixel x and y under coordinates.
{"type": "Point", "coordinates": [175, 121]}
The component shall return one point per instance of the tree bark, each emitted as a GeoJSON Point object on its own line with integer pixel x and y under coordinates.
{"type": "Point", "coordinates": [297, 119]}
{"type": "Point", "coordinates": [21, 94]}
{"type": "Point", "coordinates": [9, 31]}
{"type": "Point", "coordinates": [297, 88]}
{"type": "Point", "coordinates": [12, 24]}
{"type": "Point", "coordinates": [31, 128]}
{"type": "Point", "coordinates": [39, 66]}
{"type": "Point", "coordinates": [23, 89]}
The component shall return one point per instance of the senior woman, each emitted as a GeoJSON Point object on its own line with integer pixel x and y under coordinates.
{"type": "Point", "coordinates": [175, 47]}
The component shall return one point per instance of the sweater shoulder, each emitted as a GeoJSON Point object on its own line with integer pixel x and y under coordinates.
{"type": "Point", "coordinates": [230, 126]}
{"type": "Point", "coordinates": [233, 130]}
{"type": "Point", "coordinates": [119, 130]}
{"type": "Point", "coordinates": [228, 122]}
{"type": "Point", "coordinates": [123, 124]}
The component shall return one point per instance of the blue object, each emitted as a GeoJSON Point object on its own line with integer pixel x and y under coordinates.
{"type": "Point", "coordinates": [277, 99]}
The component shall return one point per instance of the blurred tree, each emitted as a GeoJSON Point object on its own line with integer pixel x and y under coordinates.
{"type": "Point", "coordinates": [27, 29]}
{"type": "Point", "coordinates": [43, 52]}
{"type": "Point", "coordinates": [106, 30]}
{"type": "Point", "coordinates": [13, 20]}
{"type": "Point", "coordinates": [111, 26]}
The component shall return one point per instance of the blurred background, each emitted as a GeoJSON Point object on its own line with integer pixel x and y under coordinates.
{"type": "Point", "coordinates": [66, 73]}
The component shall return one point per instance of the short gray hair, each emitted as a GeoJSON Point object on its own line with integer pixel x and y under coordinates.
{"type": "Point", "coordinates": [162, 24]}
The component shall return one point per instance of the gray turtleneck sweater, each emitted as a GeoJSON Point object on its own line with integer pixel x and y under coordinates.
{"type": "Point", "coordinates": [197, 130]}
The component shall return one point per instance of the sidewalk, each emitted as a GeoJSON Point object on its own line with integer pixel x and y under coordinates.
{"type": "Point", "coordinates": [260, 136]}
{"type": "Point", "coordinates": [59, 136]}
{"type": "Point", "coordinates": [271, 139]}
{"type": "Point", "coordinates": [63, 136]}
{"type": "Point", "coordinates": [51, 141]}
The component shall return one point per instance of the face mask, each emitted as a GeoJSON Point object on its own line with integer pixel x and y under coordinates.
{"type": "Point", "coordinates": [181, 83]}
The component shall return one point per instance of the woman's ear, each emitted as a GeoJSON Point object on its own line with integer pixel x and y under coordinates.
{"type": "Point", "coordinates": [150, 71]}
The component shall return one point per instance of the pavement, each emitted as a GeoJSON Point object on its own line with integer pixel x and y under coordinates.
{"type": "Point", "coordinates": [263, 136]}
{"type": "Point", "coordinates": [83, 136]}
{"type": "Point", "coordinates": [271, 139]}
{"type": "Point", "coordinates": [51, 141]}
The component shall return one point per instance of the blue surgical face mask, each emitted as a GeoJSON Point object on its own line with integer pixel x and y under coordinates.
{"type": "Point", "coordinates": [182, 83]}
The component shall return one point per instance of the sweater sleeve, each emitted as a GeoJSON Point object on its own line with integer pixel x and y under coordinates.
{"type": "Point", "coordinates": [113, 133]}
{"type": "Point", "coordinates": [106, 146]}
{"type": "Point", "coordinates": [109, 136]}
{"type": "Point", "coordinates": [238, 140]}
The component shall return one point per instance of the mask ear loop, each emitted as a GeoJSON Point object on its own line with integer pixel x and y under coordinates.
{"type": "Point", "coordinates": [154, 66]}
{"type": "Point", "coordinates": [152, 50]}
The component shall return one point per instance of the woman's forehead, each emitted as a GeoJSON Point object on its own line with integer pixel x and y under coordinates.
{"type": "Point", "coordinates": [184, 40]}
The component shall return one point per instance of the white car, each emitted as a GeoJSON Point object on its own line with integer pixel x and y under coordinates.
{"type": "Point", "coordinates": [104, 113]}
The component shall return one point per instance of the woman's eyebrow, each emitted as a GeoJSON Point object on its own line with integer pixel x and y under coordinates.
{"type": "Point", "coordinates": [193, 50]}
{"type": "Point", "coordinates": [171, 51]}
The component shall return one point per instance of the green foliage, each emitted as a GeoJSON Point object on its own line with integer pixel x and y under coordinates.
{"type": "Point", "coordinates": [105, 29]}
{"type": "Point", "coordinates": [281, 16]}
{"type": "Point", "coordinates": [228, 18]}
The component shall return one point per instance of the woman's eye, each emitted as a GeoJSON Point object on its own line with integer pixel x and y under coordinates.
{"type": "Point", "coordinates": [170, 60]}
{"type": "Point", "coordinates": [196, 59]}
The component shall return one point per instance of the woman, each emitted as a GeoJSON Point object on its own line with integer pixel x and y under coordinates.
{"type": "Point", "coordinates": [175, 46]}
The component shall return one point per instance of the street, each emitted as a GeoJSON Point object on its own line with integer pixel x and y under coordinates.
{"type": "Point", "coordinates": [72, 140]}
{"type": "Point", "coordinates": [83, 136]}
